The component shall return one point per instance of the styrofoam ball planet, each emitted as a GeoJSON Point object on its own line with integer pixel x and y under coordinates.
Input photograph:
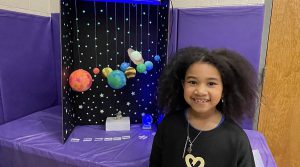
{"type": "Point", "coordinates": [116, 79]}
{"type": "Point", "coordinates": [141, 68]}
{"type": "Point", "coordinates": [124, 66]}
{"type": "Point", "coordinates": [130, 72]}
{"type": "Point", "coordinates": [96, 70]}
{"type": "Point", "coordinates": [135, 56]}
{"type": "Point", "coordinates": [157, 58]}
{"type": "Point", "coordinates": [80, 80]}
{"type": "Point", "coordinates": [149, 65]}
{"type": "Point", "coordinates": [106, 71]}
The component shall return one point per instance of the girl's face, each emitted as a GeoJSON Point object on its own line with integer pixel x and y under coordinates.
{"type": "Point", "coordinates": [202, 88]}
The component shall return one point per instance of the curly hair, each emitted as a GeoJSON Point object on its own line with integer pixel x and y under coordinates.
{"type": "Point", "coordinates": [238, 77]}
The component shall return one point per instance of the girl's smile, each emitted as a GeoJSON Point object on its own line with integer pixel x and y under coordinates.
{"type": "Point", "coordinates": [200, 101]}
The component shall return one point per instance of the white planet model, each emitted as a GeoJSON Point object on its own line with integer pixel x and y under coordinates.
{"type": "Point", "coordinates": [135, 56]}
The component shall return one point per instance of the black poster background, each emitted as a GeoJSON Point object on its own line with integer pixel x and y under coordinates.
{"type": "Point", "coordinates": [116, 27]}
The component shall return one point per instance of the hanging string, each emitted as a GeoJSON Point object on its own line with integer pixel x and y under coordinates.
{"type": "Point", "coordinates": [124, 39]}
{"type": "Point", "coordinates": [148, 34]}
{"type": "Point", "coordinates": [106, 34]}
{"type": "Point", "coordinates": [129, 6]}
{"type": "Point", "coordinates": [129, 26]}
{"type": "Point", "coordinates": [116, 32]}
{"type": "Point", "coordinates": [141, 25]}
{"type": "Point", "coordinates": [136, 27]}
{"type": "Point", "coordinates": [95, 33]}
{"type": "Point", "coordinates": [156, 29]}
{"type": "Point", "coordinates": [77, 39]}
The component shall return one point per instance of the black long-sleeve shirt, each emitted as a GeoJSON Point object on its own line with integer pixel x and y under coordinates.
{"type": "Point", "coordinates": [225, 146]}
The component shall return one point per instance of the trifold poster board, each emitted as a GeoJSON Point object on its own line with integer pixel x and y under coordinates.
{"type": "Point", "coordinates": [112, 55]}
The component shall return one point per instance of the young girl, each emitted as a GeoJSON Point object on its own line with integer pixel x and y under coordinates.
{"type": "Point", "coordinates": [205, 94]}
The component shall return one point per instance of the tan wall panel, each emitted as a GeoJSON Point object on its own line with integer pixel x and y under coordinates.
{"type": "Point", "coordinates": [35, 7]}
{"type": "Point", "coordinates": [279, 118]}
{"type": "Point", "coordinates": [214, 3]}
{"type": "Point", "coordinates": [55, 6]}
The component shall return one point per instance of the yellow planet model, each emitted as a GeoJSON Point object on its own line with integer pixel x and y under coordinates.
{"type": "Point", "coordinates": [106, 71]}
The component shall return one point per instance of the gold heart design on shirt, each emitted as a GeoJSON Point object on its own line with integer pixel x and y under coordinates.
{"type": "Point", "coordinates": [194, 160]}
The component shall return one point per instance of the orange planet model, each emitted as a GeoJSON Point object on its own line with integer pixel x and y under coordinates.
{"type": "Point", "coordinates": [80, 80]}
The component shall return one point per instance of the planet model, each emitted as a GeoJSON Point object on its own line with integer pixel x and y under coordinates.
{"type": "Point", "coordinates": [130, 72]}
{"type": "Point", "coordinates": [149, 65]}
{"type": "Point", "coordinates": [157, 58]}
{"type": "Point", "coordinates": [96, 70]}
{"type": "Point", "coordinates": [106, 71]}
{"type": "Point", "coordinates": [124, 66]}
{"type": "Point", "coordinates": [80, 80]}
{"type": "Point", "coordinates": [135, 56]}
{"type": "Point", "coordinates": [116, 79]}
{"type": "Point", "coordinates": [141, 68]}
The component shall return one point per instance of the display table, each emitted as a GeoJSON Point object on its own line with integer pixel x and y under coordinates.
{"type": "Point", "coordinates": [35, 141]}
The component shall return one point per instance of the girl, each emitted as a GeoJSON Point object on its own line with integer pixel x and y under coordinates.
{"type": "Point", "coordinates": [205, 94]}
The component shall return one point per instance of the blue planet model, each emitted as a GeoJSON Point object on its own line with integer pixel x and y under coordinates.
{"type": "Point", "coordinates": [124, 66]}
{"type": "Point", "coordinates": [149, 65]}
{"type": "Point", "coordinates": [116, 79]}
{"type": "Point", "coordinates": [157, 58]}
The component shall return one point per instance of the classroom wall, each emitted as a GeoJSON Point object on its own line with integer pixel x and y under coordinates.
{"type": "Point", "coordinates": [55, 6]}
{"type": "Point", "coordinates": [46, 7]}
{"type": "Point", "coordinates": [213, 3]}
{"type": "Point", "coordinates": [36, 7]}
